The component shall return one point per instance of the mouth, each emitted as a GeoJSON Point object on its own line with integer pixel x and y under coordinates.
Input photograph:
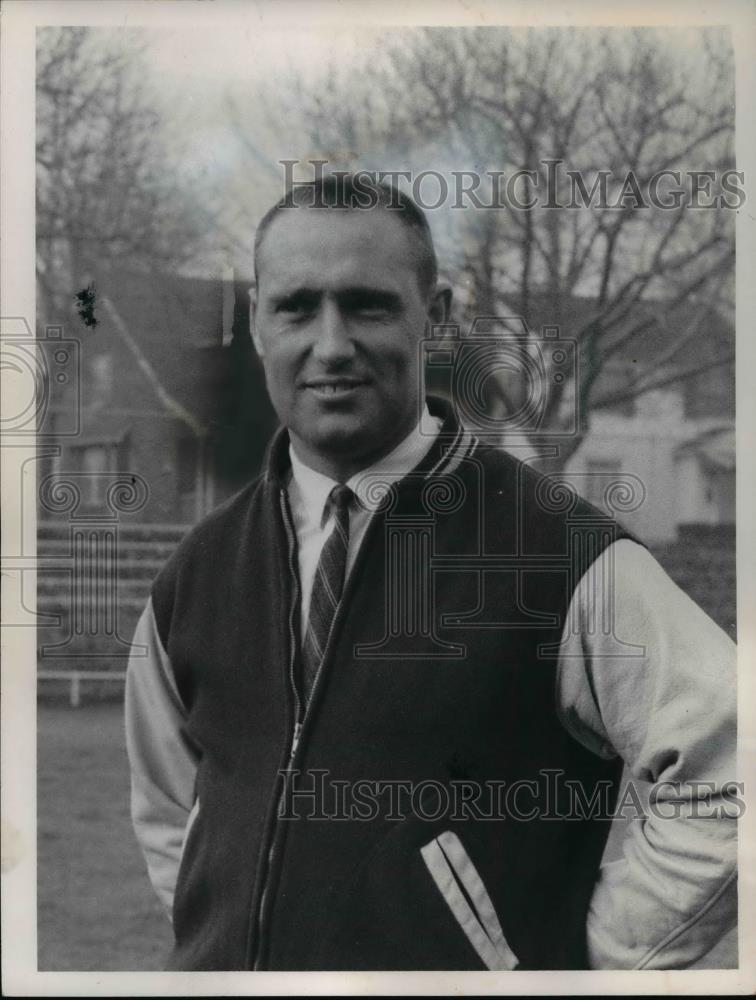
{"type": "Point", "coordinates": [335, 388]}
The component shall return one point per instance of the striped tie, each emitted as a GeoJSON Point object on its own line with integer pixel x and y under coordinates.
{"type": "Point", "coordinates": [327, 587]}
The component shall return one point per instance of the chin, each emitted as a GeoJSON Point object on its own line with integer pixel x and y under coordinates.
{"type": "Point", "coordinates": [347, 437]}
{"type": "Point", "coordinates": [347, 442]}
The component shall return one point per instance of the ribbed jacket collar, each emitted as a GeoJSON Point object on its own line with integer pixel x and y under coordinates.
{"type": "Point", "coordinates": [451, 446]}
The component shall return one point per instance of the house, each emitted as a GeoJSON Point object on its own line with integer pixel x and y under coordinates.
{"type": "Point", "coordinates": [671, 446]}
{"type": "Point", "coordinates": [678, 439]}
{"type": "Point", "coordinates": [168, 388]}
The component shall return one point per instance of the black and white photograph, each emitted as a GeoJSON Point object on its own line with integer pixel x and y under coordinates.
{"type": "Point", "coordinates": [378, 544]}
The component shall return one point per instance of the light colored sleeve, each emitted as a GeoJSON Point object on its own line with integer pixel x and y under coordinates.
{"type": "Point", "coordinates": [645, 674]}
{"type": "Point", "coordinates": [163, 765]}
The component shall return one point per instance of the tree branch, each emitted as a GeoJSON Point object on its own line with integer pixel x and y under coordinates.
{"type": "Point", "coordinates": [639, 388]}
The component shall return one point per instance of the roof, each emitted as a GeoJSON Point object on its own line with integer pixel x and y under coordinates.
{"type": "Point", "coordinates": [715, 448]}
{"type": "Point", "coordinates": [176, 322]}
{"type": "Point", "coordinates": [653, 350]}
{"type": "Point", "coordinates": [572, 314]}
{"type": "Point", "coordinates": [177, 325]}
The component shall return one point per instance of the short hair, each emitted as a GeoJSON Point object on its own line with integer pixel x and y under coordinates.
{"type": "Point", "coordinates": [358, 193]}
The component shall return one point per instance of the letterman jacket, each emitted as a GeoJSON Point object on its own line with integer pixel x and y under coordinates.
{"type": "Point", "coordinates": [439, 674]}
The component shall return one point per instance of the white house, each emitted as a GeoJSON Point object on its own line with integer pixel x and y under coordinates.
{"type": "Point", "coordinates": [686, 464]}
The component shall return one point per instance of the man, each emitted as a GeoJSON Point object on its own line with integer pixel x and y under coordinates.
{"type": "Point", "coordinates": [395, 615]}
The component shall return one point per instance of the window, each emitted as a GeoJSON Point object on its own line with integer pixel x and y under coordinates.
{"type": "Point", "coordinates": [186, 465]}
{"type": "Point", "coordinates": [95, 462]}
{"type": "Point", "coordinates": [101, 375]}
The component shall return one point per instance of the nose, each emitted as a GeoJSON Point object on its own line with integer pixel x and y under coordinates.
{"type": "Point", "coordinates": [333, 345]}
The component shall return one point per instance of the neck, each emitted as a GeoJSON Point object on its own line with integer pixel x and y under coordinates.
{"type": "Point", "coordinates": [341, 467]}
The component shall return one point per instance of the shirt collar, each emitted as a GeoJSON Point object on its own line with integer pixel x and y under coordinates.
{"type": "Point", "coordinates": [371, 484]}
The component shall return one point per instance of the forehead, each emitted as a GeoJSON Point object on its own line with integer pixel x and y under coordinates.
{"type": "Point", "coordinates": [332, 248]}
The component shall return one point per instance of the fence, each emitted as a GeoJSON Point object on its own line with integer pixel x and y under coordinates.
{"type": "Point", "coordinates": [75, 678]}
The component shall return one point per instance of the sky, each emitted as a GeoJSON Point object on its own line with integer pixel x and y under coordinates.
{"type": "Point", "coordinates": [193, 70]}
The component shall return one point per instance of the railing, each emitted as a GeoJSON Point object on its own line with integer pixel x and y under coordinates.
{"type": "Point", "coordinates": [75, 677]}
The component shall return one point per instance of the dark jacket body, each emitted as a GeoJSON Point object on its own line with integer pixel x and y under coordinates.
{"type": "Point", "coordinates": [439, 674]}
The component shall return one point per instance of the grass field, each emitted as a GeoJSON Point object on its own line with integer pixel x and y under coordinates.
{"type": "Point", "coordinates": [96, 908]}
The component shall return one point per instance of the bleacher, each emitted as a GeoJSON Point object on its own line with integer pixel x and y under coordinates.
{"type": "Point", "coordinates": [95, 582]}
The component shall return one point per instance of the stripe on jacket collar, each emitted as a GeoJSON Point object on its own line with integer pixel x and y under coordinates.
{"type": "Point", "coordinates": [461, 447]}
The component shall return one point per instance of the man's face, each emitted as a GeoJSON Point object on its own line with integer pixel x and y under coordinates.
{"type": "Point", "coordinates": [337, 319]}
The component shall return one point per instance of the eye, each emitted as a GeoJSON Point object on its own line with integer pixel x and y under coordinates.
{"type": "Point", "coordinates": [298, 305]}
{"type": "Point", "coordinates": [370, 304]}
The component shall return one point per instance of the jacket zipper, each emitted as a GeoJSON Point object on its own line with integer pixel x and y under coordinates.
{"type": "Point", "coordinates": [297, 724]}
{"type": "Point", "coordinates": [299, 716]}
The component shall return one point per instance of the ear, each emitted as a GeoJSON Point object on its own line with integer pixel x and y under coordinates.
{"type": "Point", "coordinates": [256, 338]}
{"type": "Point", "coordinates": [439, 306]}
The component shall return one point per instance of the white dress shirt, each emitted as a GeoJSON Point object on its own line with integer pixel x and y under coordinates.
{"type": "Point", "coordinates": [309, 491]}
{"type": "Point", "coordinates": [669, 714]}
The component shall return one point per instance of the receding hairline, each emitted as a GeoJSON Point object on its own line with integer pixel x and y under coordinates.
{"type": "Point", "coordinates": [411, 219]}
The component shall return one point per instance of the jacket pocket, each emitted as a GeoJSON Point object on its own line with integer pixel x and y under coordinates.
{"type": "Point", "coordinates": [462, 889]}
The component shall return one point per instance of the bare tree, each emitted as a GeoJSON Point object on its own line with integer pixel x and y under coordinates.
{"type": "Point", "coordinates": [589, 118]}
{"type": "Point", "coordinates": [108, 189]}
